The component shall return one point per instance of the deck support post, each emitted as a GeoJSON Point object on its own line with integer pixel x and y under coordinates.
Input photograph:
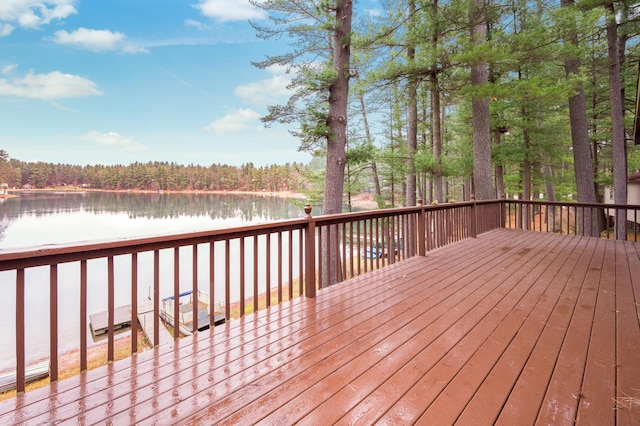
{"type": "Point", "coordinates": [53, 323]}
{"type": "Point", "coordinates": [20, 332]}
{"type": "Point", "coordinates": [310, 254]}
{"type": "Point", "coordinates": [474, 218]}
{"type": "Point", "coordinates": [422, 236]}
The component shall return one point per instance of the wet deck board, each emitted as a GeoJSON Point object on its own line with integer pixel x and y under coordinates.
{"type": "Point", "coordinates": [512, 327]}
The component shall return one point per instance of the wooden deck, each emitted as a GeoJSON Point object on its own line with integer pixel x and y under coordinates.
{"type": "Point", "coordinates": [512, 327]}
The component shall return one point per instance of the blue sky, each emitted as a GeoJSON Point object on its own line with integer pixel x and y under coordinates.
{"type": "Point", "coordinates": [120, 81]}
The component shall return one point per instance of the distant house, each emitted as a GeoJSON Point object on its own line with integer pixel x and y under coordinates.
{"type": "Point", "coordinates": [633, 189]}
{"type": "Point", "coordinates": [633, 196]}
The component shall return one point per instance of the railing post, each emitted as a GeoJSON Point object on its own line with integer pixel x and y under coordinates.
{"type": "Point", "coordinates": [422, 237]}
{"type": "Point", "coordinates": [53, 323]}
{"type": "Point", "coordinates": [503, 210]}
{"type": "Point", "coordinates": [20, 332]}
{"type": "Point", "coordinates": [310, 254]}
{"type": "Point", "coordinates": [474, 218]}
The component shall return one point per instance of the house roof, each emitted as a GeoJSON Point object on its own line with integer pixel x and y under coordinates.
{"type": "Point", "coordinates": [635, 178]}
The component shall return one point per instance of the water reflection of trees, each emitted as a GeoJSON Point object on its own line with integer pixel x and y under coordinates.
{"type": "Point", "coordinates": [153, 206]}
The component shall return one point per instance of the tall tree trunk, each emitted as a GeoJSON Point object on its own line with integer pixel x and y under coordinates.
{"type": "Point", "coordinates": [550, 190]}
{"type": "Point", "coordinates": [412, 119]}
{"type": "Point", "coordinates": [336, 142]}
{"type": "Point", "coordinates": [367, 131]}
{"type": "Point", "coordinates": [436, 131]}
{"type": "Point", "coordinates": [526, 163]}
{"type": "Point", "coordinates": [582, 161]}
{"type": "Point", "coordinates": [395, 179]}
{"type": "Point", "coordinates": [499, 169]}
{"type": "Point", "coordinates": [337, 119]}
{"type": "Point", "coordinates": [594, 126]}
{"type": "Point", "coordinates": [436, 127]}
{"type": "Point", "coordinates": [617, 124]}
{"type": "Point", "coordinates": [427, 178]}
{"type": "Point", "coordinates": [480, 109]}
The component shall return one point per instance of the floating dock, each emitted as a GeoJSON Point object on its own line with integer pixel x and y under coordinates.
{"type": "Point", "coordinates": [145, 319]}
{"type": "Point", "coordinates": [99, 322]}
{"type": "Point", "coordinates": [186, 318]}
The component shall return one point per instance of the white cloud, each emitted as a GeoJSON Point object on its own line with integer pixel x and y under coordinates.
{"type": "Point", "coordinates": [34, 13]}
{"type": "Point", "coordinates": [54, 85]}
{"type": "Point", "coordinates": [230, 10]}
{"type": "Point", "coordinates": [96, 40]}
{"type": "Point", "coordinates": [5, 29]}
{"type": "Point", "coordinates": [113, 139]}
{"type": "Point", "coordinates": [236, 120]}
{"type": "Point", "coordinates": [7, 69]}
{"type": "Point", "coordinates": [196, 24]}
{"type": "Point", "coordinates": [267, 91]}
{"type": "Point", "coordinates": [373, 12]}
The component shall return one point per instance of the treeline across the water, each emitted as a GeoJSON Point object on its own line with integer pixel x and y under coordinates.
{"type": "Point", "coordinates": [154, 176]}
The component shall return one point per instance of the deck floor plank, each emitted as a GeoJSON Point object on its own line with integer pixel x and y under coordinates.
{"type": "Point", "coordinates": [560, 404]}
{"type": "Point", "coordinates": [370, 408]}
{"type": "Point", "coordinates": [492, 364]}
{"type": "Point", "coordinates": [600, 372]}
{"type": "Point", "coordinates": [525, 399]}
{"type": "Point", "coordinates": [512, 327]}
{"type": "Point", "coordinates": [411, 406]}
{"type": "Point", "coordinates": [628, 337]}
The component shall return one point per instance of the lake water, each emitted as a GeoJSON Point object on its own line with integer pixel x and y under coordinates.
{"type": "Point", "coordinates": [45, 218]}
{"type": "Point", "coordinates": [38, 218]}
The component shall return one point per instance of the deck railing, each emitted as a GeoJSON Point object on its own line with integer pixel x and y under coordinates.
{"type": "Point", "coordinates": [246, 268]}
{"type": "Point", "coordinates": [573, 218]}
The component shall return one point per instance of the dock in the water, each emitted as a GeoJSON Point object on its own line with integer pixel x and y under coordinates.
{"type": "Point", "coordinates": [99, 322]}
{"type": "Point", "coordinates": [145, 319]}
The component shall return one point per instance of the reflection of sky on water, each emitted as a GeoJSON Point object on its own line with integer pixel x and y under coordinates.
{"type": "Point", "coordinates": [43, 219]}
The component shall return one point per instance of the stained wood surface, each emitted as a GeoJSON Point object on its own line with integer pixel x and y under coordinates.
{"type": "Point", "coordinates": [512, 327]}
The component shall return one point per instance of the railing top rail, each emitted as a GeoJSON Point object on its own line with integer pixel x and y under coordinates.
{"type": "Point", "coordinates": [372, 214]}
{"type": "Point", "coordinates": [44, 255]}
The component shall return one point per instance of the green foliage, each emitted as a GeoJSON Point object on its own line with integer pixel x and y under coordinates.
{"type": "Point", "coordinates": [360, 154]}
{"type": "Point", "coordinates": [154, 176]}
{"type": "Point", "coordinates": [314, 178]}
